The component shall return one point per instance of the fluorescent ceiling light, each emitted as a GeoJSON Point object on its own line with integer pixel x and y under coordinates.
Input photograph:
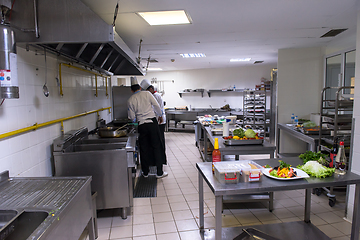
{"type": "Point", "coordinates": [165, 17]}
{"type": "Point", "coordinates": [192, 55]}
{"type": "Point", "coordinates": [154, 69]}
{"type": "Point", "coordinates": [240, 59]}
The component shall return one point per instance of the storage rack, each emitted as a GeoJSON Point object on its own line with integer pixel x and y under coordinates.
{"type": "Point", "coordinates": [336, 117]}
{"type": "Point", "coordinates": [254, 108]}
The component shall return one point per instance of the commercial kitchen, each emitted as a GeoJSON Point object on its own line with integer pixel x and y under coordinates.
{"type": "Point", "coordinates": [69, 159]}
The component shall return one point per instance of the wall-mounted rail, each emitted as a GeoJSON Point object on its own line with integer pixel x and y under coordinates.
{"type": "Point", "coordinates": [40, 125]}
{"type": "Point", "coordinates": [84, 70]}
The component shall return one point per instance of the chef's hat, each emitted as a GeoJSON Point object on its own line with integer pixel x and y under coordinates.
{"type": "Point", "coordinates": [145, 84]}
{"type": "Point", "coordinates": [134, 81]}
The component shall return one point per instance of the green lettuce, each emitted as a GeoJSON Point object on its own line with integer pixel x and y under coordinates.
{"type": "Point", "coordinates": [249, 133]}
{"type": "Point", "coordinates": [315, 169]}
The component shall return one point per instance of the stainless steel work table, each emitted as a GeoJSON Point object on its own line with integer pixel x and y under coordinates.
{"type": "Point", "coordinates": [265, 148]}
{"type": "Point", "coordinates": [65, 203]}
{"type": "Point", "coordinates": [312, 140]}
{"type": "Point", "coordinates": [271, 185]}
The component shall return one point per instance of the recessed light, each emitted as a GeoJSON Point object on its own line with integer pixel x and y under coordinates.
{"type": "Point", "coordinates": [192, 55]}
{"type": "Point", "coordinates": [154, 69]}
{"type": "Point", "coordinates": [240, 59]}
{"type": "Point", "coordinates": [165, 17]}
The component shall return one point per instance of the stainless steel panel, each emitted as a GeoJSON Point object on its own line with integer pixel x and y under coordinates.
{"type": "Point", "coordinates": [243, 142]}
{"type": "Point", "coordinates": [108, 168]}
{"type": "Point", "coordinates": [98, 147]}
{"type": "Point", "coordinates": [120, 95]}
{"type": "Point", "coordinates": [75, 25]}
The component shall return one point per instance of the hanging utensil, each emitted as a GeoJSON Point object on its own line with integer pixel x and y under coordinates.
{"type": "Point", "coordinates": [45, 88]}
{"type": "Point", "coordinates": [138, 59]}
{"type": "Point", "coordinates": [115, 13]}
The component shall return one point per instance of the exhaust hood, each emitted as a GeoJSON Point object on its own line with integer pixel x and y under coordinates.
{"type": "Point", "coordinates": [71, 29]}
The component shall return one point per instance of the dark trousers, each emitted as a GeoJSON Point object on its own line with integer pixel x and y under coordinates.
{"type": "Point", "coordinates": [152, 152]}
{"type": "Point", "coordinates": [162, 134]}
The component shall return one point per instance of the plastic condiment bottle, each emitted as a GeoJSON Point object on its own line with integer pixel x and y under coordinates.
{"type": "Point", "coordinates": [216, 155]}
{"type": "Point", "coordinates": [340, 160]}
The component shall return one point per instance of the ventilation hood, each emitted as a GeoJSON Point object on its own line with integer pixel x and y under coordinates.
{"type": "Point", "coordinates": [71, 29]}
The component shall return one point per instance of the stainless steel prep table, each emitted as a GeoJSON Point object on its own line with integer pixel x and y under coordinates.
{"type": "Point", "coordinates": [265, 148]}
{"type": "Point", "coordinates": [312, 140]}
{"type": "Point", "coordinates": [65, 201]}
{"type": "Point", "coordinates": [270, 185]}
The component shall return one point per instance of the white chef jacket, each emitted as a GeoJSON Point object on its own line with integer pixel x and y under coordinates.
{"type": "Point", "coordinates": [142, 106]}
{"type": "Point", "coordinates": [160, 101]}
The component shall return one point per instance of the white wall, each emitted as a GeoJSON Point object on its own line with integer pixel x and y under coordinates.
{"type": "Point", "coordinates": [300, 80]}
{"type": "Point", "coordinates": [29, 154]}
{"type": "Point", "coordinates": [242, 77]}
{"type": "Point", "coordinates": [355, 166]}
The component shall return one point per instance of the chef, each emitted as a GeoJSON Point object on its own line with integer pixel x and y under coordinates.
{"type": "Point", "coordinates": [146, 85]}
{"type": "Point", "coordinates": [144, 109]}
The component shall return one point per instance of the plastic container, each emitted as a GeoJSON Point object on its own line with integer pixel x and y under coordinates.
{"type": "Point", "coordinates": [296, 121]}
{"type": "Point", "coordinates": [250, 172]}
{"type": "Point", "coordinates": [232, 119]}
{"type": "Point", "coordinates": [235, 172]}
{"type": "Point", "coordinates": [227, 172]}
{"type": "Point", "coordinates": [225, 129]}
{"type": "Point", "coordinates": [292, 118]}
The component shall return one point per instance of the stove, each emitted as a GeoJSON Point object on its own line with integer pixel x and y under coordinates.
{"type": "Point", "coordinates": [110, 161]}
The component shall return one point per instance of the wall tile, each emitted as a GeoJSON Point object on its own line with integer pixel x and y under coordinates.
{"type": "Point", "coordinates": [29, 154]}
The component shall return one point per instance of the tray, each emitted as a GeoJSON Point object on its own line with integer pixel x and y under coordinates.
{"type": "Point", "coordinates": [231, 142]}
{"type": "Point", "coordinates": [252, 233]}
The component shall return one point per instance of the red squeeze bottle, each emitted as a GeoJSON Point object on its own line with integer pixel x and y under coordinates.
{"type": "Point", "coordinates": [216, 155]}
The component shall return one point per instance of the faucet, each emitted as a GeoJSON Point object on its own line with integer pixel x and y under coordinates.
{"type": "Point", "coordinates": [211, 107]}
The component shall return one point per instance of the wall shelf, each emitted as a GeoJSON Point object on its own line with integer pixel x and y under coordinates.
{"type": "Point", "coordinates": [224, 91]}
{"type": "Point", "coordinates": [181, 93]}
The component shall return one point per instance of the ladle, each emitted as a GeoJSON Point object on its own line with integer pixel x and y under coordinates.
{"type": "Point", "coordinates": [45, 88]}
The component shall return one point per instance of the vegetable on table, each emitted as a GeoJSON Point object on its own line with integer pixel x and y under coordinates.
{"type": "Point", "coordinates": [249, 133]}
{"type": "Point", "coordinates": [239, 132]}
{"type": "Point", "coordinates": [309, 124]}
{"type": "Point", "coordinates": [312, 156]}
{"type": "Point", "coordinates": [283, 171]}
{"type": "Point", "coordinates": [315, 169]}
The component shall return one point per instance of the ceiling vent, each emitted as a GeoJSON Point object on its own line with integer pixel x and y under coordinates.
{"type": "Point", "coordinates": [333, 32]}
{"type": "Point", "coordinates": [256, 62]}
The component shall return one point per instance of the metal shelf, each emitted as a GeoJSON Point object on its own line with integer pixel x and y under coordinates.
{"type": "Point", "coordinates": [254, 108]}
{"type": "Point", "coordinates": [224, 91]}
{"type": "Point", "coordinates": [181, 93]}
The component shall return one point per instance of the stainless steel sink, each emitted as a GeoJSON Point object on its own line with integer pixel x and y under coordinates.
{"type": "Point", "coordinates": [20, 226]}
{"type": "Point", "coordinates": [6, 216]}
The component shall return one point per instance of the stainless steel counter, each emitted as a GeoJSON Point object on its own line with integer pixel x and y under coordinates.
{"type": "Point", "coordinates": [61, 207]}
{"type": "Point", "coordinates": [312, 140]}
{"type": "Point", "coordinates": [270, 185]}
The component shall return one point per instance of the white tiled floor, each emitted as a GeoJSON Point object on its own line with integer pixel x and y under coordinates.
{"type": "Point", "coordinates": [173, 214]}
